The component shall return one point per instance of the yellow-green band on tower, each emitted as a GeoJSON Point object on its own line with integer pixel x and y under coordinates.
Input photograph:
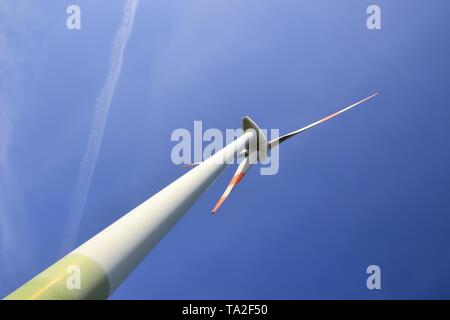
{"type": "Point", "coordinates": [54, 282]}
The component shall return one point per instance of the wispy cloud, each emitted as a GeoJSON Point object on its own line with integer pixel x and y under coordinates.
{"type": "Point", "coordinates": [15, 239]}
{"type": "Point", "coordinates": [6, 231]}
{"type": "Point", "coordinates": [99, 118]}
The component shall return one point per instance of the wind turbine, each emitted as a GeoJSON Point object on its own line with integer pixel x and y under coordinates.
{"type": "Point", "coordinates": [245, 164]}
{"type": "Point", "coordinates": [97, 267]}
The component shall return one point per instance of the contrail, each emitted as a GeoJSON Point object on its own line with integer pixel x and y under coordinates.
{"type": "Point", "coordinates": [99, 118]}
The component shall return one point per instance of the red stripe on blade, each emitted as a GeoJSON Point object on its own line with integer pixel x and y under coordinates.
{"type": "Point", "coordinates": [237, 178]}
{"type": "Point", "coordinates": [218, 204]}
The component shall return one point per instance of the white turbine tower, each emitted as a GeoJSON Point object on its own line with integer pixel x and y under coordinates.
{"type": "Point", "coordinates": [96, 268]}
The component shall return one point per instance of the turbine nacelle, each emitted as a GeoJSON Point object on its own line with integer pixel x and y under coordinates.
{"type": "Point", "coordinates": [257, 147]}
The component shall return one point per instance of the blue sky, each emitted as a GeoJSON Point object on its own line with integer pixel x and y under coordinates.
{"type": "Point", "coordinates": [370, 187]}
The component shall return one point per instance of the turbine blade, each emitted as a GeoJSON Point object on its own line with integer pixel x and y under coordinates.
{"type": "Point", "coordinates": [283, 138]}
{"type": "Point", "coordinates": [189, 165]}
{"type": "Point", "coordinates": [237, 177]}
